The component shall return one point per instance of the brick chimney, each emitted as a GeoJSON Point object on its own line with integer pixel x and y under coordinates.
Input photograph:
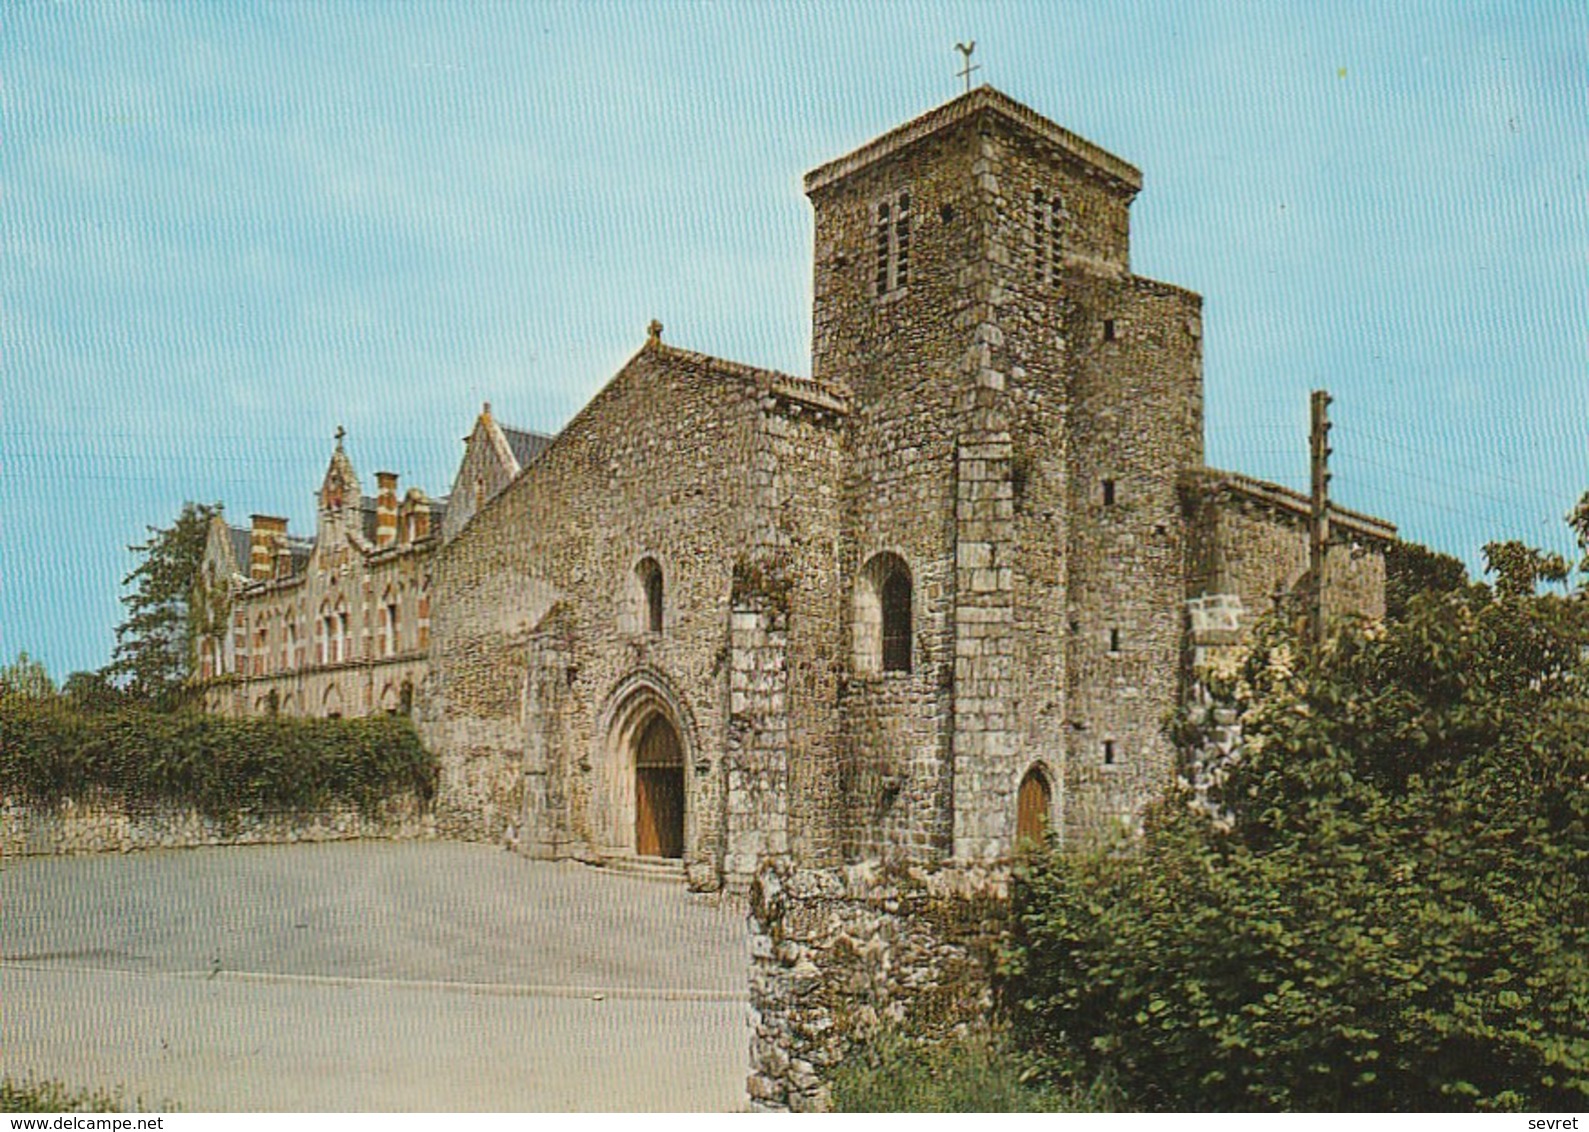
{"type": "Point", "coordinates": [385, 508]}
{"type": "Point", "coordinates": [416, 515]}
{"type": "Point", "coordinates": [264, 532]}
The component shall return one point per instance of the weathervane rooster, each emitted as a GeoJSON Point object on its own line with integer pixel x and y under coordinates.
{"type": "Point", "coordinates": [966, 49]}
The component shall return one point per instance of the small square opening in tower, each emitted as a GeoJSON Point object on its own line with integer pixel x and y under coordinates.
{"type": "Point", "coordinates": [1108, 330]}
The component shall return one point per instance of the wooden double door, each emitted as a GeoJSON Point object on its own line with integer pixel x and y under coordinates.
{"type": "Point", "coordinates": [659, 791]}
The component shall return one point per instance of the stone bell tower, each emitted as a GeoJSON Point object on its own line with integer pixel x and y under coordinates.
{"type": "Point", "coordinates": [965, 263]}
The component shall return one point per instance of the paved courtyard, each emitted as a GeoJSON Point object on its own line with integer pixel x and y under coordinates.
{"type": "Point", "coordinates": [370, 976]}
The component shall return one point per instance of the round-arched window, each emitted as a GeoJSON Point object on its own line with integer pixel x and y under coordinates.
{"type": "Point", "coordinates": [883, 616]}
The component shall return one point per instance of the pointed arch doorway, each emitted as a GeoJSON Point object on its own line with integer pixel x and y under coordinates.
{"type": "Point", "coordinates": [659, 790]}
{"type": "Point", "coordinates": [1034, 802]}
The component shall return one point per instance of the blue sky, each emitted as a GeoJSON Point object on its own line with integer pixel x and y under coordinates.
{"type": "Point", "coordinates": [227, 228]}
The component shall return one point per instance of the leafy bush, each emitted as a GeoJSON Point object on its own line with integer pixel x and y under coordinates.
{"type": "Point", "coordinates": [1391, 909]}
{"type": "Point", "coordinates": [981, 1073]}
{"type": "Point", "coordinates": [53, 1096]}
{"type": "Point", "coordinates": [221, 767]}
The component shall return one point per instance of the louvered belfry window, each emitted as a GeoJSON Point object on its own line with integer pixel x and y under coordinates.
{"type": "Point", "coordinates": [891, 233]}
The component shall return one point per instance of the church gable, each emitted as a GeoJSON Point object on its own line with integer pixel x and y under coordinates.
{"type": "Point", "coordinates": [494, 455]}
{"type": "Point", "coordinates": [666, 412]}
{"type": "Point", "coordinates": [340, 488]}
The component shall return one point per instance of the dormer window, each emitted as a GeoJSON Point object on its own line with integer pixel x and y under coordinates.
{"type": "Point", "coordinates": [891, 239]}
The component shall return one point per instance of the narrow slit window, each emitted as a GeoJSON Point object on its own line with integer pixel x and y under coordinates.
{"type": "Point", "coordinates": [1108, 330]}
{"type": "Point", "coordinates": [1108, 752]}
{"type": "Point", "coordinates": [1114, 640]}
{"type": "Point", "coordinates": [1108, 493]}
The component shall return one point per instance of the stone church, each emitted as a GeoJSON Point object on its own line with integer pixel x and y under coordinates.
{"type": "Point", "coordinates": [941, 593]}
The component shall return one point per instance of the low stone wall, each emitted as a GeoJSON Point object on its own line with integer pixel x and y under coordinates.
{"type": "Point", "coordinates": [109, 825]}
{"type": "Point", "coordinates": [837, 954]}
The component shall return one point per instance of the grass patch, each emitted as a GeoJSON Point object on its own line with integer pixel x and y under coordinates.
{"type": "Point", "coordinates": [978, 1073]}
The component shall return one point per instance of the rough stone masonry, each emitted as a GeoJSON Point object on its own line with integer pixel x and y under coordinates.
{"type": "Point", "coordinates": [938, 595]}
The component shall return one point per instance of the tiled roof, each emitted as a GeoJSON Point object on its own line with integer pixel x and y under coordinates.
{"type": "Point", "coordinates": [1286, 499]}
{"type": "Point", "coordinates": [818, 394]}
{"type": "Point", "coordinates": [982, 98]}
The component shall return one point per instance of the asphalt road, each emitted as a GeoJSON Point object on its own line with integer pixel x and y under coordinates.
{"type": "Point", "coordinates": [370, 976]}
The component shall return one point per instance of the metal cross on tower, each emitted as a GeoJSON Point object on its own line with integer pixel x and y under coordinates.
{"type": "Point", "coordinates": [965, 72]}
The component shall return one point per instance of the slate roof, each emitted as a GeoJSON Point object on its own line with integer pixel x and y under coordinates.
{"type": "Point", "coordinates": [301, 549]}
{"type": "Point", "coordinates": [243, 550]}
{"type": "Point", "coordinates": [242, 547]}
{"type": "Point", "coordinates": [526, 445]}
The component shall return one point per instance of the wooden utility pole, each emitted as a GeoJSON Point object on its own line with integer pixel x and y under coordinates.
{"type": "Point", "coordinates": [1319, 525]}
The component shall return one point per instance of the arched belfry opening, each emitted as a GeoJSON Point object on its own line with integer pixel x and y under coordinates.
{"type": "Point", "coordinates": [1032, 807]}
{"type": "Point", "coordinates": [883, 616]}
{"type": "Point", "coordinates": [659, 789]}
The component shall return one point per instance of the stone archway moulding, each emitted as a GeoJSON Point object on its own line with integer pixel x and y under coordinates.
{"type": "Point", "coordinates": [627, 708]}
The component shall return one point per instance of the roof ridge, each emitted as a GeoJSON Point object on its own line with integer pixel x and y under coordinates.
{"type": "Point", "coordinates": [960, 107]}
{"type": "Point", "coordinates": [526, 431]}
{"type": "Point", "coordinates": [1300, 500]}
{"type": "Point", "coordinates": [745, 369]}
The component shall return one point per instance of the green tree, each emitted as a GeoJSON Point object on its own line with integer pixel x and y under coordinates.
{"type": "Point", "coordinates": [25, 678]}
{"type": "Point", "coordinates": [92, 691]}
{"type": "Point", "coordinates": [1412, 568]}
{"type": "Point", "coordinates": [1578, 520]}
{"type": "Point", "coordinates": [155, 644]}
{"type": "Point", "coordinates": [1519, 568]}
{"type": "Point", "coordinates": [1391, 909]}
